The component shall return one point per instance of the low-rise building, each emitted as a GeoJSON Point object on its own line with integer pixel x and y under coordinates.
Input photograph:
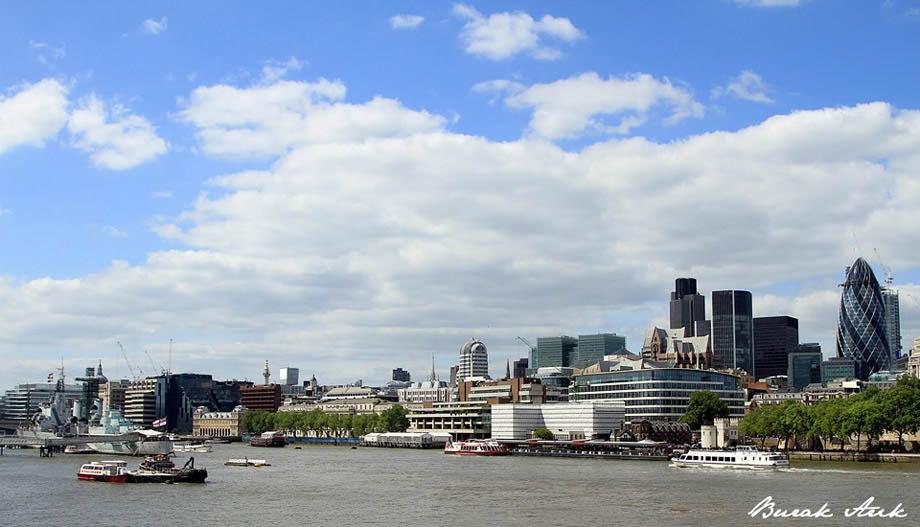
{"type": "Point", "coordinates": [369, 405]}
{"type": "Point", "coordinates": [675, 433]}
{"type": "Point", "coordinates": [722, 433]}
{"type": "Point", "coordinates": [206, 423]}
{"type": "Point", "coordinates": [427, 391]}
{"type": "Point", "coordinates": [586, 420]}
{"type": "Point", "coordinates": [462, 420]}
{"type": "Point", "coordinates": [768, 399]}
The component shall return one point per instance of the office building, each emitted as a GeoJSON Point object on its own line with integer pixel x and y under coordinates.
{"type": "Point", "coordinates": [22, 402]}
{"type": "Point", "coordinates": [588, 420]}
{"type": "Point", "coordinates": [733, 330]}
{"type": "Point", "coordinates": [206, 423]}
{"type": "Point", "coordinates": [774, 339]}
{"type": "Point", "coordinates": [462, 420]}
{"type": "Point", "coordinates": [892, 319]}
{"type": "Point", "coordinates": [838, 368]}
{"type": "Point", "coordinates": [556, 351]}
{"type": "Point", "coordinates": [687, 306]}
{"type": "Point", "coordinates": [592, 348]}
{"type": "Point", "coordinates": [261, 397]}
{"type": "Point", "coordinates": [474, 361]}
{"type": "Point", "coordinates": [401, 375]}
{"type": "Point", "coordinates": [804, 365]}
{"type": "Point", "coordinates": [145, 401]}
{"type": "Point", "coordinates": [289, 376]}
{"type": "Point", "coordinates": [655, 391]}
{"type": "Point", "coordinates": [520, 368]}
{"type": "Point", "coordinates": [862, 325]}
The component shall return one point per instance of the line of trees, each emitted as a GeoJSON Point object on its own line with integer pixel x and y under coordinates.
{"type": "Point", "coordinates": [867, 414]}
{"type": "Point", "coordinates": [321, 424]}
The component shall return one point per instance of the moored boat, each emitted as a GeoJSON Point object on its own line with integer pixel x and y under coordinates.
{"type": "Point", "coordinates": [272, 439]}
{"type": "Point", "coordinates": [741, 457]}
{"type": "Point", "coordinates": [191, 447]}
{"type": "Point", "coordinates": [246, 462]}
{"type": "Point", "coordinates": [484, 447]}
{"type": "Point", "coordinates": [108, 471]}
{"type": "Point", "coordinates": [161, 469]}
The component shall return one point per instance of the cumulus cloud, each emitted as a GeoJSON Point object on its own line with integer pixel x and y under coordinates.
{"type": "Point", "coordinates": [747, 85]}
{"type": "Point", "coordinates": [266, 120]}
{"type": "Point", "coordinates": [569, 107]}
{"type": "Point", "coordinates": [405, 21]}
{"type": "Point", "coordinates": [153, 27]}
{"type": "Point", "coordinates": [343, 255]}
{"type": "Point", "coordinates": [33, 114]}
{"type": "Point", "coordinates": [274, 70]}
{"type": "Point", "coordinates": [500, 36]}
{"type": "Point", "coordinates": [114, 138]}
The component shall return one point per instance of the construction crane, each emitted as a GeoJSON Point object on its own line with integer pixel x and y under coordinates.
{"type": "Point", "coordinates": [125, 355]}
{"type": "Point", "coordinates": [162, 370]}
{"type": "Point", "coordinates": [888, 278]}
{"type": "Point", "coordinates": [528, 344]}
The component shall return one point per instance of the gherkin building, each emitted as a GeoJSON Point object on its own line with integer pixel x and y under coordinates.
{"type": "Point", "coordinates": [861, 328]}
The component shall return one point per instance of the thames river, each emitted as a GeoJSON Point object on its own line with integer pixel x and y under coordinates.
{"type": "Point", "coordinates": [326, 485]}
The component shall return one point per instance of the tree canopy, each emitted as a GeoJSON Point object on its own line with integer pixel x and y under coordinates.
{"type": "Point", "coordinates": [702, 409]}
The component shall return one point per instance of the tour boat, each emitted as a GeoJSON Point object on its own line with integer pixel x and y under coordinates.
{"type": "Point", "coordinates": [476, 448]}
{"type": "Point", "coordinates": [191, 447]}
{"type": "Point", "coordinates": [108, 471]}
{"type": "Point", "coordinates": [741, 457]}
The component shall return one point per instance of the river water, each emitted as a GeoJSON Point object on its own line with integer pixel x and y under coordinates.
{"type": "Point", "coordinates": [327, 485]}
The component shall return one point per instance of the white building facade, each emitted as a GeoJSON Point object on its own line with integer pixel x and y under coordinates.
{"type": "Point", "coordinates": [474, 361]}
{"type": "Point", "coordinates": [593, 419]}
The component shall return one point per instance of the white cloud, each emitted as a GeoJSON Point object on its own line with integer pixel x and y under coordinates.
{"type": "Point", "coordinates": [379, 251]}
{"type": "Point", "coordinates": [115, 139]}
{"type": "Point", "coordinates": [273, 70]}
{"type": "Point", "coordinates": [503, 35]}
{"type": "Point", "coordinates": [114, 232]}
{"type": "Point", "coordinates": [405, 21]}
{"type": "Point", "coordinates": [48, 54]}
{"type": "Point", "coordinates": [747, 85]}
{"type": "Point", "coordinates": [769, 3]}
{"type": "Point", "coordinates": [266, 120]}
{"type": "Point", "coordinates": [33, 114]}
{"type": "Point", "coordinates": [153, 27]}
{"type": "Point", "coordinates": [570, 107]}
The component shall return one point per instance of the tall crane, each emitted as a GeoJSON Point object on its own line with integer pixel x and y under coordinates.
{"type": "Point", "coordinates": [532, 359]}
{"type": "Point", "coordinates": [162, 370]}
{"type": "Point", "coordinates": [125, 355]}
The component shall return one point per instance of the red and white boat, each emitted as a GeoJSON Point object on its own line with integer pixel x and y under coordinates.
{"type": "Point", "coordinates": [484, 447]}
{"type": "Point", "coordinates": [109, 471]}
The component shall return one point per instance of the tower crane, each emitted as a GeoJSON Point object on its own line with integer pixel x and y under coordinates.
{"type": "Point", "coordinates": [162, 370]}
{"type": "Point", "coordinates": [528, 344]}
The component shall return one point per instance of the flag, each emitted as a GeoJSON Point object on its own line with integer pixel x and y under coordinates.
{"type": "Point", "coordinates": [51, 377]}
{"type": "Point", "coordinates": [159, 422]}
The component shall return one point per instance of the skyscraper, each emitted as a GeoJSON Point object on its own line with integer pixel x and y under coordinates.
{"type": "Point", "coordinates": [862, 326]}
{"type": "Point", "coordinates": [592, 348]}
{"type": "Point", "coordinates": [687, 306]}
{"type": "Point", "coordinates": [474, 360]}
{"type": "Point", "coordinates": [556, 351]}
{"type": "Point", "coordinates": [732, 330]}
{"type": "Point", "coordinates": [289, 376]}
{"type": "Point", "coordinates": [774, 339]}
{"type": "Point", "coordinates": [892, 319]}
{"type": "Point", "coordinates": [804, 365]}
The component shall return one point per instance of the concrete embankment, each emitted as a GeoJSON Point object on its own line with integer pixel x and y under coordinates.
{"type": "Point", "coordinates": [854, 457]}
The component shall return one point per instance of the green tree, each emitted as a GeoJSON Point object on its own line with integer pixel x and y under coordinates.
{"type": "Point", "coordinates": [901, 406]}
{"type": "Point", "coordinates": [796, 420]}
{"type": "Point", "coordinates": [394, 419]}
{"type": "Point", "coordinates": [702, 409]}
{"type": "Point", "coordinates": [543, 433]}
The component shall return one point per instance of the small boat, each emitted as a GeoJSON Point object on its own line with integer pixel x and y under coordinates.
{"type": "Point", "coordinates": [741, 457]}
{"type": "Point", "coordinates": [108, 471]}
{"type": "Point", "coordinates": [271, 439]}
{"type": "Point", "coordinates": [161, 469]}
{"type": "Point", "coordinates": [485, 447]}
{"type": "Point", "coordinates": [246, 462]}
{"type": "Point", "coordinates": [191, 447]}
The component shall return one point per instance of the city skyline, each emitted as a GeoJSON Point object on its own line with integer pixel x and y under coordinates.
{"type": "Point", "coordinates": [353, 190]}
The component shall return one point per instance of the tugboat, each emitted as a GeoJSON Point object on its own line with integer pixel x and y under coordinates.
{"type": "Point", "coordinates": [160, 469]}
{"type": "Point", "coordinates": [108, 471]}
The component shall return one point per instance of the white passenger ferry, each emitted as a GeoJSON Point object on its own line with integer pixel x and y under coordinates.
{"type": "Point", "coordinates": [476, 447]}
{"type": "Point", "coordinates": [741, 457]}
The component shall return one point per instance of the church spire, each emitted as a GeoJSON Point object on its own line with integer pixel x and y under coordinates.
{"type": "Point", "coordinates": [508, 368]}
{"type": "Point", "coordinates": [433, 377]}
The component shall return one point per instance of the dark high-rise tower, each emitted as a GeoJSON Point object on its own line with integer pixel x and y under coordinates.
{"type": "Point", "coordinates": [862, 327]}
{"type": "Point", "coordinates": [687, 306]}
{"type": "Point", "coordinates": [774, 339]}
{"type": "Point", "coordinates": [732, 330]}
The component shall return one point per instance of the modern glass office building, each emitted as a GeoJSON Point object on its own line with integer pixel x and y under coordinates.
{"type": "Point", "coordinates": [774, 339]}
{"type": "Point", "coordinates": [862, 326]}
{"type": "Point", "coordinates": [733, 330]}
{"type": "Point", "coordinates": [555, 351]}
{"type": "Point", "coordinates": [592, 348]}
{"type": "Point", "coordinates": [657, 394]}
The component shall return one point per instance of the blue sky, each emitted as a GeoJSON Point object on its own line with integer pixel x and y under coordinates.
{"type": "Point", "coordinates": [354, 187]}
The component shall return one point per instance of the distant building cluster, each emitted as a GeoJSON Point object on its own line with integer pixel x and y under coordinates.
{"type": "Point", "coordinates": [584, 387]}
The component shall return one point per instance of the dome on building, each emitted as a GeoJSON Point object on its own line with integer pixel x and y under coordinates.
{"type": "Point", "coordinates": [862, 329]}
{"type": "Point", "coordinates": [474, 360]}
{"type": "Point", "coordinates": [471, 346]}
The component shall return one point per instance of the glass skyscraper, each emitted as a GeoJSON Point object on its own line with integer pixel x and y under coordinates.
{"type": "Point", "coordinates": [862, 329]}
{"type": "Point", "coordinates": [733, 330]}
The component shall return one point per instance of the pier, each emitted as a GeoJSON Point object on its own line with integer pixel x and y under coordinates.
{"type": "Point", "coordinates": [635, 450]}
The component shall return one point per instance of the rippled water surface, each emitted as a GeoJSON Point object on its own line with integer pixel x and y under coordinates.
{"type": "Point", "coordinates": [325, 485]}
